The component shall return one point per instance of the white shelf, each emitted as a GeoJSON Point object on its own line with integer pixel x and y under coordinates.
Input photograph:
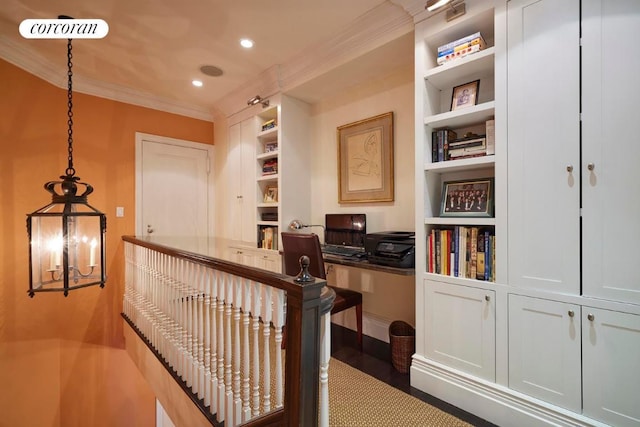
{"type": "Point", "coordinates": [459, 280]}
{"type": "Point", "coordinates": [267, 205]}
{"type": "Point", "coordinates": [265, 178]}
{"type": "Point", "coordinates": [268, 134]}
{"type": "Point", "coordinates": [269, 223]}
{"type": "Point", "coordinates": [451, 73]}
{"type": "Point", "coordinates": [459, 220]}
{"type": "Point", "coordinates": [464, 116]}
{"type": "Point", "coordinates": [267, 155]}
{"type": "Point", "coordinates": [461, 164]}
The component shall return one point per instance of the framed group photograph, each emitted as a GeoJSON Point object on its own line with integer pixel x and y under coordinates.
{"type": "Point", "coordinates": [470, 198]}
{"type": "Point", "coordinates": [271, 194]}
{"type": "Point", "coordinates": [365, 160]}
{"type": "Point", "coordinates": [465, 95]}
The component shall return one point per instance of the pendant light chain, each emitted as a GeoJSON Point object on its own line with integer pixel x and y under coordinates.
{"type": "Point", "coordinates": [70, 170]}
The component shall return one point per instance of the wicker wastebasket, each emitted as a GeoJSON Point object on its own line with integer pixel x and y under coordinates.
{"type": "Point", "coordinates": [402, 338]}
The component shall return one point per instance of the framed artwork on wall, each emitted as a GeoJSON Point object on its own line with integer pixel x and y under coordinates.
{"type": "Point", "coordinates": [365, 160]}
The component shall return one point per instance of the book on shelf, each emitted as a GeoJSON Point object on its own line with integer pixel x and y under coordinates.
{"type": "Point", "coordinates": [268, 237]}
{"type": "Point", "coordinates": [440, 140]}
{"type": "Point", "coordinates": [490, 126]}
{"type": "Point", "coordinates": [462, 251]}
{"type": "Point", "coordinates": [460, 48]}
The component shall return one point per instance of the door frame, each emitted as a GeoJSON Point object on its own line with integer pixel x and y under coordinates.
{"type": "Point", "coordinates": [140, 137]}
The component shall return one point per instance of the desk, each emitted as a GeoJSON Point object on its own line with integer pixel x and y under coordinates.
{"type": "Point", "coordinates": [363, 263]}
{"type": "Point", "coordinates": [388, 293]}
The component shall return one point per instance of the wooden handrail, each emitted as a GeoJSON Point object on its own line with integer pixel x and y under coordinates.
{"type": "Point", "coordinates": [306, 303]}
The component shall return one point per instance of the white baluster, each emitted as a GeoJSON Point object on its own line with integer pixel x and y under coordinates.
{"type": "Point", "coordinates": [278, 322]}
{"type": "Point", "coordinates": [266, 332]}
{"type": "Point", "coordinates": [325, 355]}
{"type": "Point", "coordinates": [213, 277]}
{"type": "Point", "coordinates": [255, 365]}
{"type": "Point", "coordinates": [221, 345]}
{"type": "Point", "coordinates": [228, 355]}
{"type": "Point", "coordinates": [237, 303]}
{"type": "Point", "coordinates": [246, 361]}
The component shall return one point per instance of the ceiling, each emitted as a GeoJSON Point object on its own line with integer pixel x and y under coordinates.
{"type": "Point", "coordinates": [155, 49]}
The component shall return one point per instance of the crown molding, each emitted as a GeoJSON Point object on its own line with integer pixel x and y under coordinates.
{"type": "Point", "coordinates": [22, 57]}
{"type": "Point", "coordinates": [380, 25]}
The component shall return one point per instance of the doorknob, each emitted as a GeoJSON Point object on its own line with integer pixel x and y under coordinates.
{"type": "Point", "coordinates": [149, 229]}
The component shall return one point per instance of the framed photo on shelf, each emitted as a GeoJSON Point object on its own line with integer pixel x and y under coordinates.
{"type": "Point", "coordinates": [467, 198]}
{"type": "Point", "coordinates": [271, 194]}
{"type": "Point", "coordinates": [465, 95]}
{"type": "Point", "coordinates": [270, 147]}
{"type": "Point", "coordinates": [365, 160]}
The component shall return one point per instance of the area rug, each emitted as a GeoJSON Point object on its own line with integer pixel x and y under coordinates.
{"type": "Point", "coordinates": [359, 400]}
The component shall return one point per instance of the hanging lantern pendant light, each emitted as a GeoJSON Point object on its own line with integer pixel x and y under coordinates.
{"type": "Point", "coordinates": [67, 237]}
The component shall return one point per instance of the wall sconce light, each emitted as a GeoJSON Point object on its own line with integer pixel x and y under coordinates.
{"type": "Point", "coordinates": [455, 10]}
{"type": "Point", "coordinates": [67, 237]}
{"type": "Point", "coordinates": [296, 224]}
{"type": "Point", "coordinates": [258, 99]}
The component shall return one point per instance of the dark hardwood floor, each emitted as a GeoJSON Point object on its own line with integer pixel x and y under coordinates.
{"type": "Point", "coordinates": [375, 360]}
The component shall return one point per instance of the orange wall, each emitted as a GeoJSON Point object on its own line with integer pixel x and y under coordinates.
{"type": "Point", "coordinates": [62, 361]}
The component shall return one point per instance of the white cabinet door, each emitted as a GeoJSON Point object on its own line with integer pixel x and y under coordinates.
{"type": "Point", "coordinates": [247, 175]}
{"type": "Point", "coordinates": [544, 350]}
{"type": "Point", "coordinates": [234, 187]}
{"type": "Point", "coordinates": [611, 149]}
{"type": "Point", "coordinates": [543, 144]}
{"type": "Point", "coordinates": [270, 262]}
{"type": "Point", "coordinates": [460, 328]}
{"type": "Point", "coordinates": [241, 178]}
{"type": "Point", "coordinates": [611, 366]}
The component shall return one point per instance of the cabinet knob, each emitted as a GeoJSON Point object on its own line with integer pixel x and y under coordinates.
{"type": "Point", "coordinates": [487, 298]}
{"type": "Point", "coordinates": [569, 168]}
{"type": "Point", "coordinates": [239, 252]}
{"type": "Point", "coordinates": [150, 229]}
{"type": "Point", "coordinates": [591, 166]}
{"type": "Point", "coordinates": [570, 313]}
{"type": "Point", "coordinates": [238, 197]}
{"type": "Point", "coordinates": [591, 317]}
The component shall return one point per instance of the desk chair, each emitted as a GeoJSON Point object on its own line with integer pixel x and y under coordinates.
{"type": "Point", "coordinates": [295, 245]}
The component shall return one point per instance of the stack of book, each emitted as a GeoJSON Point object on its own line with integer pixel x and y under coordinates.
{"type": "Point", "coordinates": [462, 251]}
{"type": "Point", "coordinates": [440, 140]}
{"type": "Point", "coordinates": [269, 124]}
{"type": "Point", "coordinates": [445, 145]}
{"type": "Point", "coordinates": [460, 48]}
{"type": "Point", "coordinates": [471, 146]}
{"type": "Point", "coordinates": [270, 167]}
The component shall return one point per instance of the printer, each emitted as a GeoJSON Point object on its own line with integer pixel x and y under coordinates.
{"type": "Point", "coordinates": [391, 248]}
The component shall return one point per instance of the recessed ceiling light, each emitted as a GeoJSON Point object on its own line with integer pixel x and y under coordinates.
{"type": "Point", "coordinates": [246, 43]}
{"type": "Point", "coordinates": [197, 83]}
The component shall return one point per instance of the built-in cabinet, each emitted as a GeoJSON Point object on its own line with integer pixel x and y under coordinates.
{"type": "Point", "coordinates": [556, 338]}
{"type": "Point", "coordinates": [468, 343]}
{"type": "Point", "coordinates": [268, 175]}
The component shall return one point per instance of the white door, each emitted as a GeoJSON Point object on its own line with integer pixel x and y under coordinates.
{"type": "Point", "coordinates": [461, 328]}
{"type": "Point", "coordinates": [544, 350]}
{"type": "Point", "coordinates": [174, 188]}
{"type": "Point", "coordinates": [611, 149]}
{"type": "Point", "coordinates": [611, 366]}
{"type": "Point", "coordinates": [544, 144]}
